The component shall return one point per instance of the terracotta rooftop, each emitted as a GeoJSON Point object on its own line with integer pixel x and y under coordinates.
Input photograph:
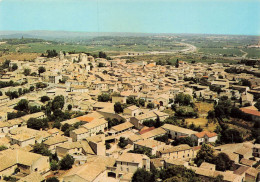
{"type": "Point", "coordinates": [203, 133]}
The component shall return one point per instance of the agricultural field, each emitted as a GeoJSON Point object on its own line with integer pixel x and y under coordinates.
{"type": "Point", "coordinates": [228, 52]}
{"type": "Point", "coordinates": [253, 52]}
{"type": "Point", "coordinates": [204, 107]}
{"type": "Point", "coordinates": [202, 122]}
{"type": "Point", "coordinates": [18, 56]}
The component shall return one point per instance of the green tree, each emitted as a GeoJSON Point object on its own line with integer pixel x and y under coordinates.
{"type": "Point", "coordinates": [184, 140]}
{"type": "Point", "coordinates": [231, 136]}
{"type": "Point", "coordinates": [131, 100]}
{"type": "Point", "coordinates": [122, 142]}
{"type": "Point", "coordinates": [118, 107]}
{"type": "Point", "coordinates": [6, 64]}
{"type": "Point", "coordinates": [41, 69]}
{"type": "Point", "coordinates": [52, 179]}
{"type": "Point", "coordinates": [257, 104]}
{"type": "Point", "coordinates": [58, 102]}
{"type": "Point", "coordinates": [45, 98]}
{"type": "Point", "coordinates": [222, 162]}
{"type": "Point", "coordinates": [65, 127]}
{"type": "Point", "coordinates": [14, 67]}
{"type": "Point", "coordinates": [102, 55]}
{"type": "Point", "coordinates": [150, 105]}
{"type": "Point", "coordinates": [54, 165]}
{"type": "Point", "coordinates": [26, 72]}
{"type": "Point", "coordinates": [2, 147]}
{"type": "Point", "coordinates": [104, 97]}
{"type": "Point", "coordinates": [141, 175]}
{"type": "Point", "coordinates": [205, 154]}
{"type": "Point", "coordinates": [69, 107]}
{"type": "Point", "coordinates": [37, 124]}
{"type": "Point", "coordinates": [108, 146]}
{"type": "Point", "coordinates": [66, 162]}
{"type": "Point", "coordinates": [22, 105]}
{"type": "Point", "coordinates": [141, 102]}
{"type": "Point", "coordinates": [31, 88]}
{"type": "Point", "coordinates": [177, 63]}
{"type": "Point", "coordinates": [40, 148]}
{"type": "Point", "coordinates": [57, 125]}
{"type": "Point", "coordinates": [34, 109]}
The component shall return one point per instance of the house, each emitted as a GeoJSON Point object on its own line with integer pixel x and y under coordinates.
{"type": "Point", "coordinates": [161, 115]}
{"type": "Point", "coordinates": [249, 173]}
{"type": "Point", "coordinates": [88, 172]}
{"type": "Point", "coordinates": [204, 137]}
{"type": "Point", "coordinates": [175, 162]}
{"type": "Point", "coordinates": [97, 144]}
{"type": "Point", "coordinates": [130, 162]}
{"type": "Point", "coordinates": [53, 142]}
{"type": "Point", "coordinates": [206, 165]}
{"type": "Point", "coordinates": [3, 116]}
{"type": "Point", "coordinates": [244, 152]}
{"type": "Point", "coordinates": [252, 111]}
{"type": "Point", "coordinates": [96, 169]}
{"type": "Point", "coordinates": [183, 151]}
{"type": "Point", "coordinates": [154, 133]}
{"type": "Point", "coordinates": [148, 144]}
{"type": "Point", "coordinates": [27, 162]}
{"type": "Point", "coordinates": [176, 131]}
{"type": "Point", "coordinates": [40, 136]}
{"type": "Point", "coordinates": [96, 126]}
{"type": "Point", "coordinates": [89, 129]}
{"type": "Point", "coordinates": [121, 128]}
{"type": "Point", "coordinates": [74, 149]}
{"type": "Point", "coordinates": [207, 174]}
{"type": "Point", "coordinates": [79, 134]}
{"type": "Point", "coordinates": [256, 150]}
{"type": "Point", "coordinates": [132, 110]}
{"type": "Point", "coordinates": [34, 176]}
{"type": "Point", "coordinates": [38, 115]}
{"type": "Point", "coordinates": [22, 140]}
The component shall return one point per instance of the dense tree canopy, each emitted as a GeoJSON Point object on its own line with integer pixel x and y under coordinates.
{"type": "Point", "coordinates": [104, 97]}
{"type": "Point", "coordinates": [41, 69]}
{"type": "Point", "coordinates": [222, 162]}
{"type": "Point", "coordinates": [205, 154]}
{"type": "Point", "coordinates": [67, 162]}
{"type": "Point", "coordinates": [141, 175]}
{"type": "Point", "coordinates": [118, 107]}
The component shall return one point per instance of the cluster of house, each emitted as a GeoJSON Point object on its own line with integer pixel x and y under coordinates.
{"type": "Point", "coordinates": [81, 79]}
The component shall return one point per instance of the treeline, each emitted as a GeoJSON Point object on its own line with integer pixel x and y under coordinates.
{"type": "Point", "coordinates": [22, 41]}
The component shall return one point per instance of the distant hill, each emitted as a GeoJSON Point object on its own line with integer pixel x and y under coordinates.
{"type": "Point", "coordinates": [55, 35]}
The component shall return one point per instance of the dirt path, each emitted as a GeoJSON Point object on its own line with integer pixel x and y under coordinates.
{"type": "Point", "coordinates": [245, 53]}
{"type": "Point", "coordinates": [188, 49]}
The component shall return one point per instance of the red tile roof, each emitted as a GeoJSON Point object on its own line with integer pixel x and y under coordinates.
{"type": "Point", "coordinates": [85, 118]}
{"type": "Point", "coordinates": [203, 133]}
{"type": "Point", "coordinates": [250, 111]}
{"type": "Point", "coordinates": [146, 129]}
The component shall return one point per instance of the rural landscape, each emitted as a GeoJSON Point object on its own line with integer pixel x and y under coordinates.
{"type": "Point", "coordinates": [78, 105]}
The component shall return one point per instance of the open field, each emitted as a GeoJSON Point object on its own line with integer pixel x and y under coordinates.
{"type": "Point", "coordinates": [202, 123]}
{"type": "Point", "coordinates": [253, 52]}
{"type": "Point", "coordinates": [204, 107]}
{"type": "Point", "coordinates": [221, 51]}
{"type": "Point", "coordinates": [18, 56]}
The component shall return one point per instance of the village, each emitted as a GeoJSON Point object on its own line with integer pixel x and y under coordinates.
{"type": "Point", "coordinates": [72, 117]}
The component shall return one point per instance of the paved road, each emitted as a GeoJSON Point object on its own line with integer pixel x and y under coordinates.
{"type": "Point", "coordinates": [189, 49]}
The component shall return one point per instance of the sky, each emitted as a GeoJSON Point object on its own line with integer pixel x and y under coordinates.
{"type": "Point", "coordinates": [240, 17]}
